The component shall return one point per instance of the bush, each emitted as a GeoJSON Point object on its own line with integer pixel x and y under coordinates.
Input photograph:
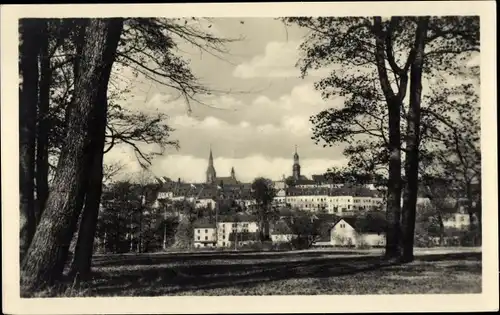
{"type": "Point", "coordinates": [363, 245]}
{"type": "Point", "coordinates": [471, 238]}
{"type": "Point", "coordinates": [283, 246]}
{"type": "Point", "coordinates": [300, 243]}
{"type": "Point", "coordinates": [267, 246]}
{"type": "Point", "coordinates": [256, 246]}
{"type": "Point", "coordinates": [423, 241]}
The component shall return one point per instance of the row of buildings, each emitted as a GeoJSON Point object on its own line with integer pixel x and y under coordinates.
{"type": "Point", "coordinates": [316, 195]}
{"type": "Point", "coordinates": [241, 229]}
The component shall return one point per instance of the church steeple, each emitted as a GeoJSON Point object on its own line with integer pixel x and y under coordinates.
{"type": "Point", "coordinates": [233, 173]}
{"type": "Point", "coordinates": [211, 175]}
{"type": "Point", "coordinates": [296, 165]}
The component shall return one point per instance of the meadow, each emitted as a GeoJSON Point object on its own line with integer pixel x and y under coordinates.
{"type": "Point", "coordinates": [309, 272]}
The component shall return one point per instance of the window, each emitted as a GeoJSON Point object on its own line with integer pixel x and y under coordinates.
{"type": "Point", "coordinates": [223, 243]}
{"type": "Point", "coordinates": [198, 238]}
{"type": "Point", "coordinates": [205, 244]}
{"type": "Point", "coordinates": [206, 238]}
{"type": "Point", "coordinates": [206, 231]}
{"type": "Point", "coordinates": [223, 237]}
{"type": "Point", "coordinates": [198, 231]}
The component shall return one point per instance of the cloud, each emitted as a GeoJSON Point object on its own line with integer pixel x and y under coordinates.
{"type": "Point", "coordinates": [264, 127]}
{"type": "Point", "coordinates": [277, 61]}
{"type": "Point", "coordinates": [284, 118]}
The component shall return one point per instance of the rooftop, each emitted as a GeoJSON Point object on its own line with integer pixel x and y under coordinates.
{"type": "Point", "coordinates": [239, 217]}
{"type": "Point", "coordinates": [365, 224]}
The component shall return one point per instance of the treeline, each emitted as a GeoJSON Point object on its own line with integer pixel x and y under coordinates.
{"type": "Point", "coordinates": [70, 116]}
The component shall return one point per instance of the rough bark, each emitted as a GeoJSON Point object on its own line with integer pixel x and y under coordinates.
{"type": "Point", "coordinates": [393, 211]}
{"type": "Point", "coordinates": [86, 232]}
{"type": "Point", "coordinates": [42, 142]}
{"type": "Point", "coordinates": [82, 260]}
{"type": "Point", "coordinates": [412, 141]}
{"type": "Point", "coordinates": [42, 266]}
{"type": "Point", "coordinates": [28, 98]}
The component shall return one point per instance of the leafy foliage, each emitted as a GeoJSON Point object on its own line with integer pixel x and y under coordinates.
{"type": "Point", "coordinates": [148, 47]}
{"type": "Point", "coordinates": [263, 192]}
{"type": "Point", "coordinates": [346, 46]}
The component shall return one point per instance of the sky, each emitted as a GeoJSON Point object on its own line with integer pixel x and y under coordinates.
{"type": "Point", "coordinates": [255, 125]}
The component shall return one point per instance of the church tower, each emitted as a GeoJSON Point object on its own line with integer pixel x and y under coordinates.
{"type": "Point", "coordinates": [233, 173]}
{"type": "Point", "coordinates": [296, 165]}
{"type": "Point", "coordinates": [211, 169]}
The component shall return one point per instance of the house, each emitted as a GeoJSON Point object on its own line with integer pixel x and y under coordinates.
{"type": "Point", "coordinates": [282, 233]}
{"type": "Point", "coordinates": [351, 231]}
{"type": "Point", "coordinates": [459, 221]}
{"type": "Point", "coordinates": [240, 227]}
{"type": "Point", "coordinates": [204, 234]}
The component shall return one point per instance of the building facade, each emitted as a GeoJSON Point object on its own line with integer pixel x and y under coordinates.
{"type": "Point", "coordinates": [347, 232]}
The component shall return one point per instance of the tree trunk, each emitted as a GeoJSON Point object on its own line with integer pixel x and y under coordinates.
{"type": "Point", "coordinates": [441, 229]}
{"type": "Point", "coordinates": [470, 207]}
{"type": "Point", "coordinates": [261, 230]}
{"type": "Point", "coordinates": [266, 228]}
{"type": "Point", "coordinates": [139, 244]}
{"type": "Point", "coordinates": [85, 243]}
{"type": "Point", "coordinates": [28, 98]}
{"type": "Point", "coordinates": [394, 102]}
{"type": "Point", "coordinates": [42, 152]}
{"type": "Point", "coordinates": [43, 266]}
{"type": "Point", "coordinates": [412, 142]}
{"type": "Point", "coordinates": [393, 212]}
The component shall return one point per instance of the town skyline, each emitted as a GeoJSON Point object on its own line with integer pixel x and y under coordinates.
{"type": "Point", "coordinates": [247, 178]}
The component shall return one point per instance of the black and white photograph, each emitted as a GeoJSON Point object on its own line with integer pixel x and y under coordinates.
{"type": "Point", "coordinates": [229, 155]}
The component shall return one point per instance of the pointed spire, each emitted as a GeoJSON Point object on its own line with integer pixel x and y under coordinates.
{"type": "Point", "coordinates": [211, 157]}
{"type": "Point", "coordinates": [233, 173]}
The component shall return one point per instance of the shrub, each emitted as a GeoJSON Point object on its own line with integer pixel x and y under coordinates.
{"type": "Point", "coordinates": [257, 246]}
{"type": "Point", "coordinates": [363, 245]}
{"type": "Point", "coordinates": [300, 243]}
{"type": "Point", "coordinates": [470, 238]}
{"type": "Point", "coordinates": [267, 246]}
{"type": "Point", "coordinates": [286, 246]}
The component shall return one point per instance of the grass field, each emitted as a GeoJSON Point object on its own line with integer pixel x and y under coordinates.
{"type": "Point", "coordinates": [276, 273]}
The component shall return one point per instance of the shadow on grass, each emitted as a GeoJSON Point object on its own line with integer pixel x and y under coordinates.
{"type": "Point", "coordinates": [155, 259]}
{"type": "Point", "coordinates": [153, 278]}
